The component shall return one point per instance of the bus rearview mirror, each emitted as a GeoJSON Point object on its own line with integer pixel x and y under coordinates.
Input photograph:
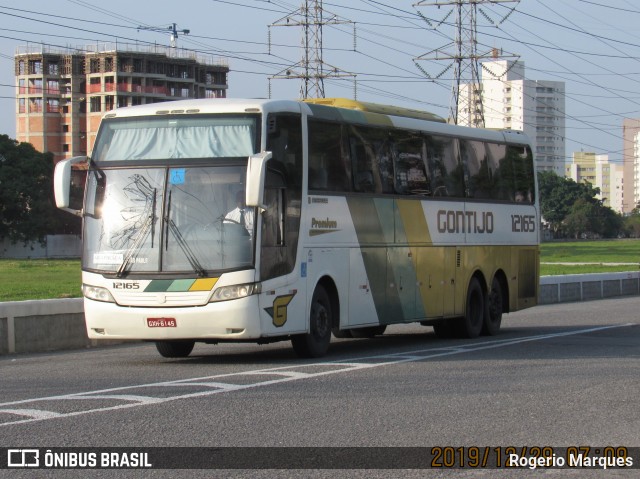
{"type": "Point", "coordinates": [256, 168]}
{"type": "Point", "coordinates": [62, 183]}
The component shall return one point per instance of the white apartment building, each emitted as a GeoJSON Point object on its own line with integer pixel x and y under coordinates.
{"type": "Point", "coordinates": [510, 101]}
{"type": "Point", "coordinates": [601, 173]}
{"type": "Point", "coordinates": [636, 169]}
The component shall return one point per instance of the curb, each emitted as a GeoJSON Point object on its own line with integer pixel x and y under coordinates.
{"type": "Point", "coordinates": [57, 324]}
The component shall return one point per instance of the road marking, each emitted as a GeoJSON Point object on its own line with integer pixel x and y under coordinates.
{"type": "Point", "coordinates": [36, 414]}
{"type": "Point", "coordinates": [218, 384]}
{"type": "Point", "coordinates": [120, 397]}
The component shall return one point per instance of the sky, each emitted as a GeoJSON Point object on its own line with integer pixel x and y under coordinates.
{"type": "Point", "coordinates": [591, 45]}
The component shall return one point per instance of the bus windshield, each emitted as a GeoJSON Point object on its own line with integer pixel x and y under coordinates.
{"type": "Point", "coordinates": [167, 138]}
{"type": "Point", "coordinates": [149, 208]}
{"type": "Point", "coordinates": [181, 220]}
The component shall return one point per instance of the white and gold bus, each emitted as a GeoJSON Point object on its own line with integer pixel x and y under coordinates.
{"type": "Point", "coordinates": [225, 220]}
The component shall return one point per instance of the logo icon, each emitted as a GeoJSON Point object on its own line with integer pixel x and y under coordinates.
{"type": "Point", "coordinates": [279, 310]}
{"type": "Point", "coordinates": [23, 458]}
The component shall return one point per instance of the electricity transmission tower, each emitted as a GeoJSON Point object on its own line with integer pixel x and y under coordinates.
{"type": "Point", "coordinates": [311, 69]}
{"type": "Point", "coordinates": [466, 106]}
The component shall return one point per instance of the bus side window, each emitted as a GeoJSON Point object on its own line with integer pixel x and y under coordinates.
{"type": "Point", "coordinates": [285, 143]}
{"type": "Point", "coordinates": [409, 165]}
{"type": "Point", "coordinates": [522, 181]}
{"type": "Point", "coordinates": [495, 157]}
{"type": "Point", "coordinates": [479, 180]}
{"type": "Point", "coordinates": [447, 174]}
{"type": "Point", "coordinates": [328, 169]}
{"type": "Point", "coordinates": [371, 160]}
{"type": "Point", "coordinates": [361, 167]}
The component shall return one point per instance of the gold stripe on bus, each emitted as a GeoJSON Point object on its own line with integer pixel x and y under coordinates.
{"type": "Point", "coordinates": [417, 233]}
{"type": "Point", "coordinates": [414, 221]}
{"type": "Point", "coordinates": [204, 284]}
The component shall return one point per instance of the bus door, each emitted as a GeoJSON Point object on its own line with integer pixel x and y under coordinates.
{"type": "Point", "coordinates": [280, 225]}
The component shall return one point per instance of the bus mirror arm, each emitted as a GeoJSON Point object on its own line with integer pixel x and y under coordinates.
{"type": "Point", "coordinates": [256, 168]}
{"type": "Point", "coordinates": [62, 183]}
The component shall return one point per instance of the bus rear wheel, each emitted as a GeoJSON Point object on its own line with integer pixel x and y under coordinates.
{"type": "Point", "coordinates": [315, 343]}
{"type": "Point", "coordinates": [470, 325]}
{"type": "Point", "coordinates": [493, 318]}
{"type": "Point", "coordinates": [175, 349]}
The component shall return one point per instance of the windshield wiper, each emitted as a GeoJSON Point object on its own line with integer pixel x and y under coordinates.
{"type": "Point", "coordinates": [153, 216]}
{"type": "Point", "coordinates": [184, 246]}
{"type": "Point", "coordinates": [148, 225]}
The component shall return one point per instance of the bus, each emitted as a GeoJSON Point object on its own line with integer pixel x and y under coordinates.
{"type": "Point", "coordinates": [228, 220]}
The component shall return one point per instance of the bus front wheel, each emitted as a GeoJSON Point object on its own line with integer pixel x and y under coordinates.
{"type": "Point", "coordinates": [315, 343]}
{"type": "Point", "coordinates": [175, 349]}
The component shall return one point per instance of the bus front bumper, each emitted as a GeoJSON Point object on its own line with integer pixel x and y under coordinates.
{"type": "Point", "coordinates": [228, 320]}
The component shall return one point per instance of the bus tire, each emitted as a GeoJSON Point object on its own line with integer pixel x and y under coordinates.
{"type": "Point", "coordinates": [470, 325]}
{"type": "Point", "coordinates": [315, 343]}
{"type": "Point", "coordinates": [175, 349]}
{"type": "Point", "coordinates": [493, 316]}
{"type": "Point", "coordinates": [369, 332]}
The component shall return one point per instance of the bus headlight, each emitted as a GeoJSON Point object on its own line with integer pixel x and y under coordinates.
{"type": "Point", "coordinates": [225, 293]}
{"type": "Point", "coordinates": [97, 294]}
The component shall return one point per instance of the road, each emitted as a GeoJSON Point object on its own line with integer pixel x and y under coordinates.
{"type": "Point", "coordinates": [557, 375]}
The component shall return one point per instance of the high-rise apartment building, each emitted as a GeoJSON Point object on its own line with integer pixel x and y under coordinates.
{"type": "Point", "coordinates": [601, 173]}
{"type": "Point", "coordinates": [631, 162]}
{"type": "Point", "coordinates": [510, 101]}
{"type": "Point", "coordinates": [62, 94]}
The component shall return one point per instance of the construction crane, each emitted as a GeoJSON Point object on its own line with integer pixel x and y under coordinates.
{"type": "Point", "coordinates": [174, 32]}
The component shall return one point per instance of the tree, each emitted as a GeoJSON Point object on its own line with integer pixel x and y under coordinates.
{"type": "Point", "coordinates": [632, 224]}
{"type": "Point", "coordinates": [27, 209]}
{"type": "Point", "coordinates": [572, 208]}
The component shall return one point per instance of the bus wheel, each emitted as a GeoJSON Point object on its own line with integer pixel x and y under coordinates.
{"type": "Point", "coordinates": [175, 349]}
{"type": "Point", "coordinates": [369, 332]}
{"type": "Point", "coordinates": [470, 325]}
{"type": "Point", "coordinates": [315, 343]}
{"type": "Point", "coordinates": [493, 317]}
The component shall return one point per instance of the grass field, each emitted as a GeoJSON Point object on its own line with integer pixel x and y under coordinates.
{"type": "Point", "coordinates": [46, 279]}
{"type": "Point", "coordinates": [39, 279]}
{"type": "Point", "coordinates": [596, 256]}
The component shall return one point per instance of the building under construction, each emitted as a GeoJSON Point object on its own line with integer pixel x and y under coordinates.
{"type": "Point", "coordinates": [62, 94]}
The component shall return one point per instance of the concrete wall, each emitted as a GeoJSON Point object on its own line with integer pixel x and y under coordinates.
{"type": "Point", "coordinates": [48, 325]}
{"type": "Point", "coordinates": [587, 287]}
{"type": "Point", "coordinates": [42, 325]}
{"type": "Point", "coordinates": [57, 246]}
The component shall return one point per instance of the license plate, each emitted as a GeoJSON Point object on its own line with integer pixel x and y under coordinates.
{"type": "Point", "coordinates": [161, 322]}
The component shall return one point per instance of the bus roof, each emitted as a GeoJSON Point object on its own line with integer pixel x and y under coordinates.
{"type": "Point", "coordinates": [341, 109]}
{"type": "Point", "coordinates": [376, 108]}
{"type": "Point", "coordinates": [234, 104]}
{"type": "Point", "coordinates": [205, 105]}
